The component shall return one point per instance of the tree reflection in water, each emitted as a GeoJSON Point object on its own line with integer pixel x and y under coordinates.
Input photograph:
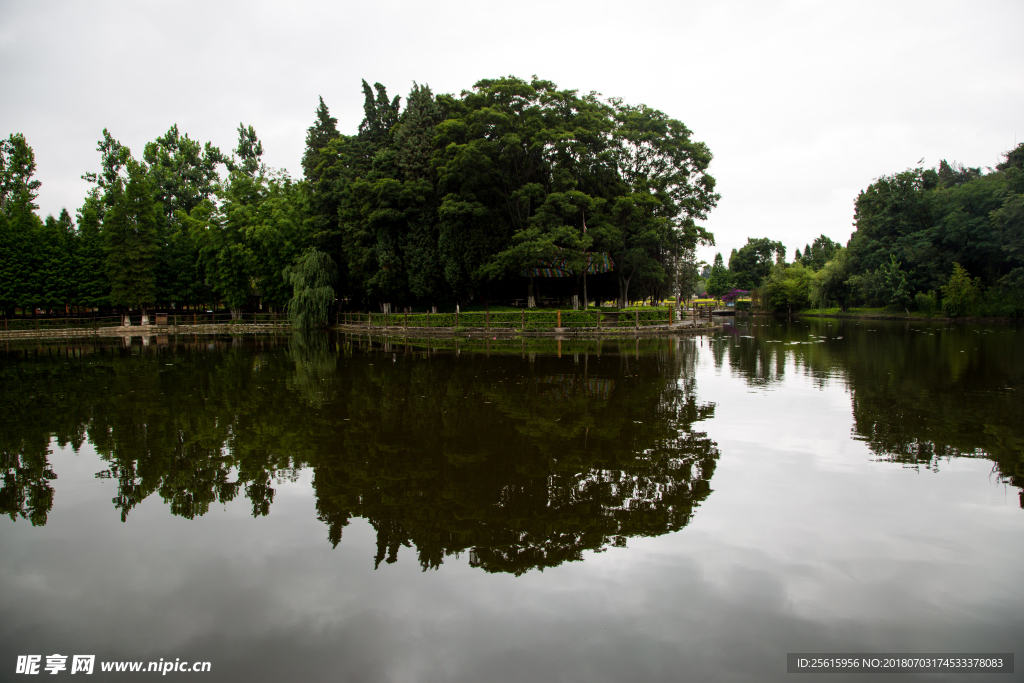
{"type": "Point", "coordinates": [922, 392]}
{"type": "Point", "coordinates": [522, 454]}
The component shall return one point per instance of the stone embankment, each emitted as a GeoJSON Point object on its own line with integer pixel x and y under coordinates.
{"type": "Point", "coordinates": [144, 330]}
{"type": "Point", "coordinates": [685, 327]}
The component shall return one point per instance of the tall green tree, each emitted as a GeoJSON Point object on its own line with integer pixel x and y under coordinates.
{"type": "Point", "coordinates": [413, 142]}
{"type": "Point", "coordinates": [20, 258]}
{"type": "Point", "coordinates": [669, 191]}
{"type": "Point", "coordinates": [960, 295]}
{"type": "Point", "coordinates": [92, 285]}
{"type": "Point", "coordinates": [131, 237]}
{"type": "Point", "coordinates": [318, 136]}
{"type": "Point", "coordinates": [753, 261]}
{"type": "Point", "coordinates": [58, 256]}
{"type": "Point", "coordinates": [276, 239]}
{"type": "Point", "coordinates": [184, 173]}
{"type": "Point", "coordinates": [819, 253]}
{"type": "Point", "coordinates": [787, 288]}
{"type": "Point", "coordinates": [320, 171]}
{"type": "Point", "coordinates": [830, 284]}
{"type": "Point", "coordinates": [224, 237]}
{"type": "Point", "coordinates": [720, 279]}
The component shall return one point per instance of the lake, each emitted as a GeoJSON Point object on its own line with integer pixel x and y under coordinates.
{"type": "Point", "coordinates": [346, 508]}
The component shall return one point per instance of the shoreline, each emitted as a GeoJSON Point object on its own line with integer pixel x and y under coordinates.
{"type": "Point", "coordinates": [391, 330]}
{"type": "Point", "coordinates": [142, 331]}
{"type": "Point", "coordinates": [506, 333]}
{"type": "Point", "coordinates": [900, 317]}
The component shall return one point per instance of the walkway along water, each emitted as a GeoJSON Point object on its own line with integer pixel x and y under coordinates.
{"type": "Point", "coordinates": [537, 323]}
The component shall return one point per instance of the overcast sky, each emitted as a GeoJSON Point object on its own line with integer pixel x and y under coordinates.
{"type": "Point", "coordinates": [802, 103]}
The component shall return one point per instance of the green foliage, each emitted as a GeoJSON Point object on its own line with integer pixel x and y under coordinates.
{"type": "Point", "coordinates": [1010, 290]}
{"type": "Point", "coordinates": [20, 228]}
{"type": "Point", "coordinates": [183, 172]}
{"type": "Point", "coordinates": [318, 136]}
{"type": "Point", "coordinates": [93, 287]}
{"type": "Point", "coordinates": [894, 282]}
{"type": "Point", "coordinates": [444, 201]}
{"type": "Point", "coordinates": [752, 263]}
{"type": "Point", "coordinates": [925, 303]}
{"type": "Point", "coordinates": [57, 263]}
{"type": "Point", "coordinates": [830, 284]}
{"type": "Point", "coordinates": [687, 274]}
{"type": "Point", "coordinates": [312, 278]}
{"type": "Point", "coordinates": [454, 196]}
{"type": "Point", "coordinates": [17, 168]}
{"type": "Point", "coordinates": [930, 219]}
{"type": "Point", "coordinates": [131, 239]}
{"type": "Point", "coordinates": [960, 295]}
{"type": "Point", "coordinates": [720, 280]}
{"type": "Point", "coordinates": [819, 253]}
{"type": "Point", "coordinates": [248, 153]}
{"type": "Point", "coordinates": [787, 288]}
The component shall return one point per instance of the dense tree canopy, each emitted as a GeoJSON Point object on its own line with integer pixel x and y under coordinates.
{"type": "Point", "coordinates": [920, 237]}
{"type": "Point", "coordinates": [929, 222]}
{"type": "Point", "coordinates": [752, 262]}
{"type": "Point", "coordinates": [458, 199]}
{"type": "Point", "coordinates": [447, 199]}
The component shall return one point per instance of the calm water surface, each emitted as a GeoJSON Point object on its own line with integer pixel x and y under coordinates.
{"type": "Point", "coordinates": [338, 508]}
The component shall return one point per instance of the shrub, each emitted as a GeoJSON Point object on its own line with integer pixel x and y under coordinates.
{"type": "Point", "coordinates": [925, 302]}
{"type": "Point", "coordinates": [787, 288]}
{"type": "Point", "coordinates": [960, 295]}
{"type": "Point", "coordinates": [1011, 290]}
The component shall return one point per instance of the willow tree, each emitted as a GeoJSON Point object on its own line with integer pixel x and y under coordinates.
{"type": "Point", "coordinates": [312, 279]}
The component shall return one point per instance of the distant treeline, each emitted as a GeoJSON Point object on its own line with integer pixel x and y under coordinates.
{"type": "Point", "coordinates": [449, 199]}
{"type": "Point", "coordinates": [949, 239]}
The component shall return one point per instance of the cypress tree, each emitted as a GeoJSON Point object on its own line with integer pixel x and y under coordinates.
{"type": "Point", "coordinates": [19, 244]}
{"type": "Point", "coordinates": [55, 248]}
{"type": "Point", "coordinates": [323, 130]}
{"type": "Point", "coordinates": [91, 282]}
{"type": "Point", "coordinates": [130, 231]}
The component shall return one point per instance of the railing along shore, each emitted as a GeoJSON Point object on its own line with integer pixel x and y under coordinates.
{"type": "Point", "coordinates": [525, 321]}
{"type": "Point", "coordinates": [160, 323]}
{"type": "Point", "coordinates": [530, 321]}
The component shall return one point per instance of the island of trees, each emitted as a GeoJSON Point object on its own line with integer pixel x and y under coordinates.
{"type": "Point", "coordinates": [480, 198]}
{"type": "Point", "coordinates": [949, 239]}
{"type": "Point", "coordinates": [445, 200]}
